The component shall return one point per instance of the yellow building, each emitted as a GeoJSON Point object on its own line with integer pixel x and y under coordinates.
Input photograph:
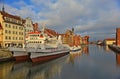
{"type": "Point", "coordinates": [109, 41]}
{"type": "Point", "coordinates": [11, 30]}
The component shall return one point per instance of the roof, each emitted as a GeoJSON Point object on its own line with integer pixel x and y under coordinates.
{"type": "Point", "coordinates": [11, 16]}
{"type": "Point", "coordinates": [50, 32]}
{"type": "Point", "coordinates": [110, 39]}
{"type": "Point", "coordinates": [36, 32]}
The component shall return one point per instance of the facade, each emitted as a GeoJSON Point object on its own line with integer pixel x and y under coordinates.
{"type": "Point", "coordinates": [118, 36]}
{"type": "Point", "coordinates": [109, 41]}
{"type": "Point", "coordinates": [11, 30]}
{"type": "Point", "coordinates": [28, 25]}
{"type": "Point", "coordinates": [71, 39]}
{"type": "Point", "coordinates": [37, 36]}
{"type": "Point", "coordinates": [85, 40]}
{"type": "Point", "coordinates": [35, 27]}
{"type": "Point", "coordinates": [67, 38]}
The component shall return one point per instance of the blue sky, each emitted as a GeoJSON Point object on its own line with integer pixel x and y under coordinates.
{"type": "Point", "coordinates": [96, 18]}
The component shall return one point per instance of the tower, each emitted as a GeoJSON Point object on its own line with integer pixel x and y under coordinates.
{"type": "Point", "coordinates": [73, 30]}
{"type": "Point", "coordinates": [3, 9]}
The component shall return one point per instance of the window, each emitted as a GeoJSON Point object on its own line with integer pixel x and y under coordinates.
{"type": "Point", "coordinates": [13, 27]}
{"type": "Point", "coordinates": [13, 38]}
{"type": "Point", "coordinates": [9, 38]}
{"type": "Point", "coordinates": [5, 31]}
{"type": "Point", "coordinates": [13, 32]}
{"type": "Point", "coordinates": [9, 26]}
{"type": "Point", "coordinates": [5, 25]}
{"type": "Point", "coordinates": [9, 32]}
{"type": "Point", "coordinates": [6, 37]}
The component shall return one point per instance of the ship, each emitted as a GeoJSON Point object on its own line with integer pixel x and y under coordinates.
{"type": "Point", "coordinates": [41, 46]}
{"type": "Point", "coordinates": [19, 54]}
{"type": "Point", "coordinates": [47, 48]}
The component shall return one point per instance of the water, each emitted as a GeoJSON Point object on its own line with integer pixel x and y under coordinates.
{"type": "Point", "coordinates": [94, 62]}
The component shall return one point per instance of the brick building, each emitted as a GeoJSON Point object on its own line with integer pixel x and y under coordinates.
{"type": "Point", "coordinates": [118, 36]}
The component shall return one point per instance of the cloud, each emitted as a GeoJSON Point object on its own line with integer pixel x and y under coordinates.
{"type": "Point", "coordinates": [86, 16]}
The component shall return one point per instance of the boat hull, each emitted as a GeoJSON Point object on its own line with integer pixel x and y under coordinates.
{"type": "Point", "coordinates": [75, 50]}
{"type": "Point", "coordinates": [45, 58]}
{"type": "Point", "coordinates": [21, 56]}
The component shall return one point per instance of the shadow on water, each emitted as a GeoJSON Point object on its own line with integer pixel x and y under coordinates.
{"type": "Point", "coordinates": [47, 70]}
{"type": "Point", "coordinates": [26, 70]}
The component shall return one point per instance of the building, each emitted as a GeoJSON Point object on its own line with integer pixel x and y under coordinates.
{"type": "Point", "coordinates": [72, 39]}
{"type": "Point", "coordinates": [85, 40]}
{"type": "Point", "coordinates": [118, 36]}
{"type": "Point", "coordinates": [35, 27]}
{"type": "Point", "coordinates": [11, 30]}
{"type": "Point", "coordinates": [109, 41]}
{"type": "Point", "coordinates": [28, 25]}
{"type": "Point", "coordinates": [67, 38]}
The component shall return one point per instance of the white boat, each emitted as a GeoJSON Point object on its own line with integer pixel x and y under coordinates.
{"type": "Point", "coordinates": [42, 46]}
{"type": "Point", "coordinates": [19, 54]}
{"type": "Point", "coordinates": [75, 48]}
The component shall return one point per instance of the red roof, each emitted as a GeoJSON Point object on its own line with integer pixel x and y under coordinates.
{"type": "Point", "coordinates": [50, 32]}
{"type": "Point", "coordinates": [110, 39]}
{"type": "Point", "coordinates": [36, 32]}
{"type": "Point", "coordinates": [11, 16]}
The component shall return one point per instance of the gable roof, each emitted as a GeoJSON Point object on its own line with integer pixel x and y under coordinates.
{"type": "Point", "coordinates": [5, 14]}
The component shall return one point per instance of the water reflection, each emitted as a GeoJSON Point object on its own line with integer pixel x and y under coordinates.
{"type": "Point", "coordinates": [47, 70]}
{"type": "Point", "coordinates": [106, 48]}
{"type": "Point", "coordinates": [92, 62]}
{"type": "Point", "coordinates": [73, 55]}
{"type": "Point", "coordinates": [85, 49]}
{"type": "Point", "coordinates": [118, 59]}
{"type": "Point", "coordinates": [5, 69]}
{"type": "Point", "coordinates": [26, 70]}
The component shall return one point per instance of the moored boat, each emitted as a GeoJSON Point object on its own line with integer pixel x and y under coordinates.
{"type": "Point", "coordinates": [48, 54]}
{"type": "Point", "coordinates": [41, 46]}
{"type": "Point", "coordinates": [19, 54]}
{"type": "Point", "coordinates": [75, 48]}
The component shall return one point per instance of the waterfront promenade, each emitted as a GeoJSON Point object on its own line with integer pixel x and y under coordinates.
{"type": "Point", "coordinates": [5, 55]}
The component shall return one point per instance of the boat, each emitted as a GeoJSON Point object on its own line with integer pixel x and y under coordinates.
{"type": "Point", "coordinates": [41, 46]}
{"type": "Point", "coordinates": [75, 46]}
{"type": "Point", "coordinates": [47, 54]}
{"type": "Point", "coordinates": [19, 54]}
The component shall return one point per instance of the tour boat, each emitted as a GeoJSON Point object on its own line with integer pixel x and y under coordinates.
{"type": "Point", "coordinates": [41, 46]}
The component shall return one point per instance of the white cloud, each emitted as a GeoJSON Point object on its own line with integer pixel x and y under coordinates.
{"type": "Point", "coordinates": [83, 15]}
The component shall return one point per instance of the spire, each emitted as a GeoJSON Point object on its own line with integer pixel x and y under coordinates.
{"type": "Point", "coordinates": [43, 27]}
{"type": "Point", "coordinates": [3, 9]}
{"type": "Point", "coordinates": [72, 30]}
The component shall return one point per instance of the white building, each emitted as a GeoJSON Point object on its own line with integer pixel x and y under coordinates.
{"type": "Point", "coordinates": [28, 26]}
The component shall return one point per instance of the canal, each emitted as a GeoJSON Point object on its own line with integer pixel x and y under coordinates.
{"type": "Point", "coordinates": [93, 62]}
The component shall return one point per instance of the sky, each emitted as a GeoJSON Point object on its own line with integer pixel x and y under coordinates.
{"type": "Point", "coordinates": [96, 18]}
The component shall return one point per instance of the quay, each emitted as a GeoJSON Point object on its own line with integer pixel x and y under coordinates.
{"type": "Point", "coordinates": [114, 48]}
{"type": "Point", "coordinates": [5, 55]}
